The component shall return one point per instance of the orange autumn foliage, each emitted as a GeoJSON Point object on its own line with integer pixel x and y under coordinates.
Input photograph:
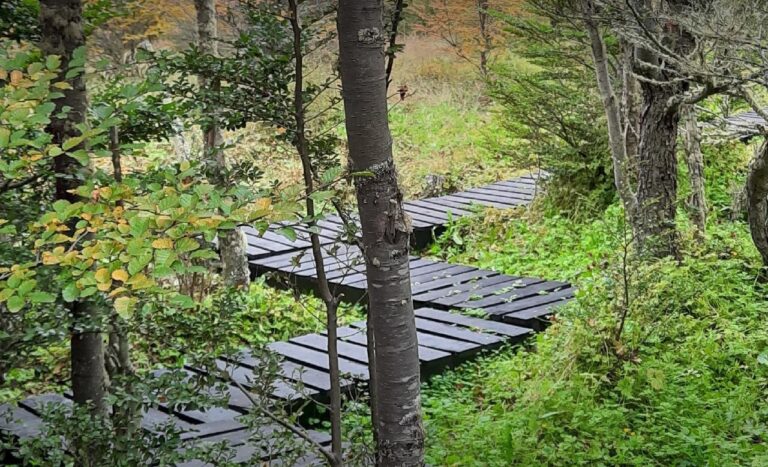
{"type": "Point", "coordinates": [471, 28]}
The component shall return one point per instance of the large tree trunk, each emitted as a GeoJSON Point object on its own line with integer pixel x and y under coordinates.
{"type": "Point", "coordinates": [657, 173]}
{"type": "Point", "coordinates": [232, 246]}
{"type": "Point", "coordinates": [61, 34]}
{"type": "Point", "coordinates": [694, 159]}
{"type": "Point", "coordinates": [386, 231]}
{"type": "Point", "coordinates": [757, 201]}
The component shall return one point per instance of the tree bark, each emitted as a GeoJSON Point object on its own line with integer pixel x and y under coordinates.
{"type": "Point", "coordinates": [757, 201]}
{"type": "Point", "coordinates": [694, 159]}
{"type": "Point", "coordinates": [662, 89]}
{"type": "Point", "coordinates": [386, 230]}
{"type": "Point", "coordinates": [616, 129]}
{"type": "Point", "coordinates": [61, 34]}
{"type": "Point", "coordinates": [485, 36]}
{"type": "Point", "coordinates": [232, 244]}
{"type": "Point", "coordinates": [657, 173]}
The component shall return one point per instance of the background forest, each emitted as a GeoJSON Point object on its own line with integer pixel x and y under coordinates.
{"type": "Point", "coordinates": [654, 207]}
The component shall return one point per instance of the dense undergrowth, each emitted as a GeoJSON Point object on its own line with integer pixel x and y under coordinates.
{"type": "Point", "coordinates": [683, 383]}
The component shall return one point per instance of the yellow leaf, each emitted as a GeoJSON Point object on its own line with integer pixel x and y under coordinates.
{"type": "Point", "coordinates": [117, 292]}
{"type": "Point", "coordinates": [140, 281]}
{"type": "Point", "coordinates": [163, 221]}
{"type": "Point", "coordinates": [163, 243]}
{"type": "Point", "coordinates": [102, 275]}
{"type": "Point", "coordinates": [3, 74]}
{"type": "Point", "coordinates": [104, 286]}
{"type": "Point", "coordinates": [124, 306]}
{"type": "Point", "coordinates": [16, 76]}
{"type": "Point", "coordinates": [120, 275]}
{"type": "Point", "coordinates": [262, 204]}
{"type": "Point", "coordinates": [49, 258]}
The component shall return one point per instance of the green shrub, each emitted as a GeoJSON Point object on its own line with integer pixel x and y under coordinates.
{"type": "Point", "coordinates": [684, 383]}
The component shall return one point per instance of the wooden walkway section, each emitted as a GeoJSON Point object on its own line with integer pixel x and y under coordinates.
{"type": "Point", "coordinates": [215, 425]}
{"type": "Point", "coordinates": [445, 340]}
{"type": "Point", "coordinates": [517, 306]}
{"type": "Point", "coordinates": [522, 301]}
{"type": "Point", "coordinates": [429, 216]}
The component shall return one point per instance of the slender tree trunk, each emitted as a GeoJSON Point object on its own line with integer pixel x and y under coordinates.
{"type": "Point", "coordinates": [61, 34]}
{"type": "Point", "coordinates": [330, 301]}
{"type": "Point", "coordinates": [630, 110]}
{"type": "Point", "coordinates": [616, 127]}
{"type": "Point", "coordinates": [386, 230]}
{"type": "Point", "coordinates": [757, 202]}
{"type": "Point", "coordinates": [694, 158]}
{"type": "Point", "coordinates": [485, 35]}
{"type": "Point", "coordinates": [232, 245]}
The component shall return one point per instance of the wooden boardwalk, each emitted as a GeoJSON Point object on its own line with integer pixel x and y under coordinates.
{"type": "Point", "coordinates": [517, 306]}
{"type": "Point", "coordinates": [429, 216]}
{"type": "Point", "coordinates": [522, 301]}
{"type": "Point", "coordinates": [216, 425]}
{"type": "Point", "coordinates": [445, 339]}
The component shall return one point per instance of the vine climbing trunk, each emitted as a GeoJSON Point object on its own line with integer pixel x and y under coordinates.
{"type": "Point", "coordinates": [232, 245]}
{"type": "Point", "coordinates": [386, 232]}
{"type": "Point", "coordinates": [61, 33]}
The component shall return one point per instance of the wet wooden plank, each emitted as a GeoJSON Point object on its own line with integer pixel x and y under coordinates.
{"type": "Point", "coordinates": [456, 211]}
{"type": "Point", "coordinates": [317, 359]}
{"type": "Point", "coordinates": [502, 203]}
{"type": "Point", "coordinates": [19, 422]}
{"type": "Point", "coordinates": [463, 291]}
{"type": "Point", "coordinates": [485, 288]}
{"type": "Point", "coordinates": [513, 294]}
{"type": "Point", "coordinates": [487, 325]}
{"type": "Point", "coordinates": [531, 302]}
{"type": "Point", "coordinates": [456, 332]}
{"type": "Point", "coordinates": [453, 279]}
{"type": "Point", "coordinates": [346, 350]}
{"type": "Point", "coordinates": [357, 335]}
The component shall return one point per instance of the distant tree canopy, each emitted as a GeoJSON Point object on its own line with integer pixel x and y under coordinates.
{"type": "Point", "coordinates": [472, 28]}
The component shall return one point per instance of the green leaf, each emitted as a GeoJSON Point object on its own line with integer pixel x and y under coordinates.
{"type": "Point", "coordinates": [27, 286]}
{"type": "Point", "coordinates": [70, 293]}
{"type": "Point", "coordinates": [288, 233]}
{"type": "Point", "coordinates": [183, 301]}
{"type": "Point", "coordinates": [41, 297]}
{"type": "Point", "coordinates": [71, 142]}
{"type": "Point", "coordinates": [14, 281]}
{"type": "Point", "coordinates": [322, 195]}
{"type": "Point", "coordinates": [763, 358]}
{"type": "Point", "coordinates": [15, 303]}
{"type": "Point", "coordinates": [5, 136]}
